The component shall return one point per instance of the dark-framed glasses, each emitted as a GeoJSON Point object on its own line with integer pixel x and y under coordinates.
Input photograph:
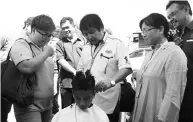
{"type": "Point", "coordinates": [174, 13]}
{"type": "Point", "coordinates": [90, 31]}
{"type": "Point", "coordinates": [44, 35]}
{"type": "Point", "coordinates": [145, 31]}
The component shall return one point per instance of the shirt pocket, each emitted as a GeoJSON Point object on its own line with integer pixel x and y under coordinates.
{"type": "Point", "coordinates": [189, 44]}
{"type": "Point", "coordinates": [111, 65]}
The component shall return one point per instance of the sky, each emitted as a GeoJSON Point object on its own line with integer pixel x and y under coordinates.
{"type": "Point", "coordinates": [121, 16]}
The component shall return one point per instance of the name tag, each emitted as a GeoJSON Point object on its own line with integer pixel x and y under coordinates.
{"type": "Point", "coordinates": [190, 40]}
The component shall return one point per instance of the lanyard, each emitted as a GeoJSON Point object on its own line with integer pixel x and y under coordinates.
{"type": "Point", "coordinates": [154, 54]}
{"type": "Point", "coordinates": [93, 55]}
{"type": "Point", "coordinates": [152, 57]}
{"type": "Point", "coordinates": [139, 86]}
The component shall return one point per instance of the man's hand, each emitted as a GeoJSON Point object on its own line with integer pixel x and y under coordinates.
{"type": "Point", "coordinates": [157, 120]}
{"type": "Point", "coordinates": [134, 76]}
{"type": "Point", "coordinates": [49, 50]}
{"type": "Point", "coordinates": [103, 86]}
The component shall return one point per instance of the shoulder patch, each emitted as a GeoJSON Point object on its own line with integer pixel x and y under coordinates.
{"type": "Point", "coordinates": [114, 38]}
{"type": "Point", "coordinates": [108, 51]}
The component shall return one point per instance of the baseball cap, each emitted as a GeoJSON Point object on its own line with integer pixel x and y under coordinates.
{"type": "Point", "coordinates": [29, 20]}
{"type": "Point", "coordinates": [177, 0]}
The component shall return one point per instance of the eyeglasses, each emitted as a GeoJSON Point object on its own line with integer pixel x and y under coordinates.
{"type": "Point", "coordinates": [145, 31]}
{"type": "Point", "coordinates": [45, 35]}
{"type": "Point", "coordinates": [174, 13]}
{"type": "Point", "coordinates": [64, 28]}
{"type": "Point", "coordinates": [90, 31]}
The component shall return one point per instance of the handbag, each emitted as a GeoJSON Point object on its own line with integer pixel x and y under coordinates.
{"type": "Point", "coordinates": [127, 97]}
{"type": "Point", "coordinates": [17, 87]}
{"type": "Point", "coordinates": [55, 107]}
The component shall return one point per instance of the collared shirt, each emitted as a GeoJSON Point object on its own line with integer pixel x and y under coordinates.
{"type": "Point", "coordinates": [112, 57]}
{"type": "Point", "coordinates": [187, 45]}
{"type": "Point", "coordinates": [44, 90]}
{"type": "Point", "coordinates": [71, 52]}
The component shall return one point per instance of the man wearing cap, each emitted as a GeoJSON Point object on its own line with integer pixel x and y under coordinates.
{"type": "Point", "coordinates": [32, 55]}
{"type": "Point", "coordinates": [180, 15]}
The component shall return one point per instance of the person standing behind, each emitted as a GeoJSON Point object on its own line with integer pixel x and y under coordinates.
{"type": "Point", "coordinates": [27, 26]}
{"type": "Point", "coordinates": [6, 105]}
{"type": "Point", "coordinates": [180, 14]}
{"type": "Point", "coordinates": [68, 52]}
{"type": "Point", "coordinates": [106, 57]}
{"type": "Point", "coordinates": [161, 80]}
{"type": "Point", "coordinates": [41, 64]}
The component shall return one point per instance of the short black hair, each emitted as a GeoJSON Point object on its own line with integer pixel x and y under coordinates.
{"type": "Point", "coordinates": [181, 4]}
{"type": "Point", "coordinates": [64, 19]}
{"type": "Point", "coordinates": [91, 21]}
{"type": "Point", "coordinates": [156, 20]}
{"type": "Point", "coordinates": [43, 23]}
{"type": "Point", "coordinates": [83, 81]}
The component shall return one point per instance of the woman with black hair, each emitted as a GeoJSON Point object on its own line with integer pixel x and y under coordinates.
{"type": "Point", "coordinates": [161, 79]}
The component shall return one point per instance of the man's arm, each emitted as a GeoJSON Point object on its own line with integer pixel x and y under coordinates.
{"type": "Point", "coordinates": [65, 65]}
{"type": "Point", "coordinates": [121, 74]}
{"type": "Point", "coordinates": [31, 65]}
{"type": "Point", "coordinates": [124, 63]}
{"type": "Point", "coordinates": [124, 69]}
{"type": "Point", "coordinates": [61, 57]}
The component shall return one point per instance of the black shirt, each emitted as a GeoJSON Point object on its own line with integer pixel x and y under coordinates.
{"type": "Point", "coordinates": [186, 111]}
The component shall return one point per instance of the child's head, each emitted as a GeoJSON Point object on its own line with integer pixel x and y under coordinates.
{"type": "Point", "coordinates": [83, 86]}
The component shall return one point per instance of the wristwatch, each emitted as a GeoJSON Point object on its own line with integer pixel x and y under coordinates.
{"type": "Point", "coordinates": [113, 83]}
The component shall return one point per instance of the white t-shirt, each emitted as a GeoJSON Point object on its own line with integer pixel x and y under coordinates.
{"type": "Point", "coordinates": [74, 114]}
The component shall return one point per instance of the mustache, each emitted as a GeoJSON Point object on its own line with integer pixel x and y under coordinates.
{"type": "Point", "coordinates": [172, 22]}
{"type": "Point", "coordinates": [65, 32]}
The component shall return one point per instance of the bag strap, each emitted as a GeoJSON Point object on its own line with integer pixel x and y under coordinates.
{"type": "Point", "coordinates": [8, 55]}
{"type": "Point", "coordinates": [58, 86]}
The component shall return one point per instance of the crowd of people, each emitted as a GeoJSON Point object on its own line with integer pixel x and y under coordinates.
{"type": "Point", "coordinates": [91, 65]}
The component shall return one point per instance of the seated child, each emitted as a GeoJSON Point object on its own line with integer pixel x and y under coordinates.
{"type": "Point", "coordinates": [83, 86]}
